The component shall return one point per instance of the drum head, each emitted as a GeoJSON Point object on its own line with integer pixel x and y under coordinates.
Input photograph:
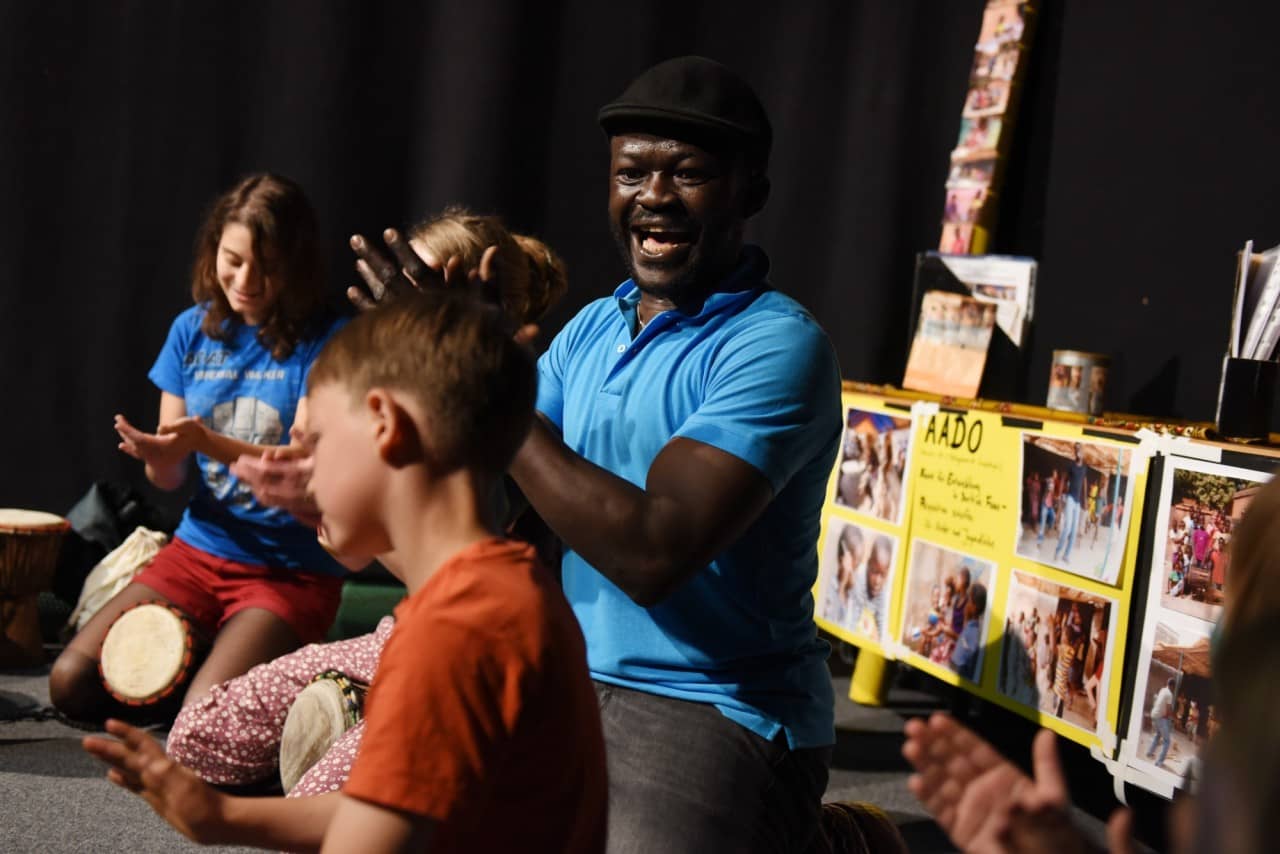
{"type": "Point", "coordinates": [145, 653]}
{"type": "Point", "coordinates": [12, 520]}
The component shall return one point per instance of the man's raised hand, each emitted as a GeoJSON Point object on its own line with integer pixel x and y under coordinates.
{"type": "Point", "coordinates": [383, 276]}
{"type": "Point", "coordinates": [405, 271]}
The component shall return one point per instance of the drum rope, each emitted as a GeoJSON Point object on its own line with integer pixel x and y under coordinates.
{"type": "Point", "coordinates": [41, 714]}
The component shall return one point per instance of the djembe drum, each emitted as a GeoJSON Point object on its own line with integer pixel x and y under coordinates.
{"type": "Point", "coordinates": [29, 544]}
{"type": "Point", "coordinates": [149, 655]}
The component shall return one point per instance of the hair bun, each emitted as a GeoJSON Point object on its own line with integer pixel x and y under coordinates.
{"type": "Point", "coordinates": [549, 278]}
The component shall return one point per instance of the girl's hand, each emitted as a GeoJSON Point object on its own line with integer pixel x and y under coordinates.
{"type": "Point", "coordinates": [189, 431]}
{"type": "Point", "coordinates": [158, 450]}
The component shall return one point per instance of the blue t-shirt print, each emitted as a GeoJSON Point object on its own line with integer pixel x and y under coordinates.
{"type": "Point", "coordinates": [249, 420]}
{"type": "Point", "coordinates": [238, 389]}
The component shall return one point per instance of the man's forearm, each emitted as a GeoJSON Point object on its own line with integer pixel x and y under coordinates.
{"type": "Point", "coordinates": [596, 513]}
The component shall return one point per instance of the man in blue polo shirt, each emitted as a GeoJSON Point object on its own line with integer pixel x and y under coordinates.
{"type": "Point", "coordinates": [689, 425]}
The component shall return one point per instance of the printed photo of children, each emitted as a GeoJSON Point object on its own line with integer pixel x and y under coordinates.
{"type": "Point", "coordinates": [999, 61]}
{"type": "Point", "coordinates": [1204, 505]}
{"type": "Point", "coordinates": [1002, 24]}
{"type": "Point", "coordinates": [997, 292]}
{"type": "Point", "coordinates": [945, 611]}
{"type": "Point", "coordinates": [873, 464]}
{"type": "Point", "coordinates": [972, 169]}
{"type": "Point", "coordinates": [1055, 650]}
{"type": "Point", "coordinates": [956, 238]}
{"type": "Point", "coordinates": [987, 97]}
{"type": "Point", "coordinates": [978, 135]}
{"type": "Point", "coordinates": [1174, 715]}
{"type": "Point", "coordinates": [949, 349]}
{"type": "Point", "coordinates": [1073, 505]}
{"type": "Point", "coordinates": [964, 204]}
{"type": "Point", "coordinates": [855, 578]}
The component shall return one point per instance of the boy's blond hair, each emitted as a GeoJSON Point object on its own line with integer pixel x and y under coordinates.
{"type": "Point", "coordinates": [451, 354]}
{"type": "Point", "coordinates": [531, 277]}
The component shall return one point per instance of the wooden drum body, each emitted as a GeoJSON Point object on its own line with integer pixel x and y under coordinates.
{"type": "Point", "coordinates": [29, 544]}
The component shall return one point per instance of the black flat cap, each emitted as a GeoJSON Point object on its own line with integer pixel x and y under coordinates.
{"type": "Point", "coordinates": [694, 99]}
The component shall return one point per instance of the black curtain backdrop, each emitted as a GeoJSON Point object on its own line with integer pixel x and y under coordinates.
{"type": "Point", "coordinates": [1145, 156]}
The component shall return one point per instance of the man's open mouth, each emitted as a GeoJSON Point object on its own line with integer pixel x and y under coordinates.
{"type": "Point", "coordinates": [662, 244]}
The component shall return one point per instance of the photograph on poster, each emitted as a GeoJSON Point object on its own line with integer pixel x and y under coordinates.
{"type": "Point", "coordinates": [945, 608]}
{"type": "Point", "coordinates": [1055, 649]}
{"type": "Point", "coordinates": [1073, 505]}
{"type": "Point", "coordinates": [1203, 505]}
{"type": "Point", "coordinates": [873, 464]}
{"type": "Point", "coordinates": [1173, 716]}
{"type": "Point", "coordinates": [855, 577]}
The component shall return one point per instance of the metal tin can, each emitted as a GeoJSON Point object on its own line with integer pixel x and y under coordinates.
{"type": "Point", "coordinates": [1078, 381]}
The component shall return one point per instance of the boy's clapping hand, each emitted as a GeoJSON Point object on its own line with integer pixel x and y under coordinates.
{"type": "Point", "coordinates": [280, 477]}
{"type": "Point", "coordinates": [139, 764]}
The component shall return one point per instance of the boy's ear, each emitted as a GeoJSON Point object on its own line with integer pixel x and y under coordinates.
{"type": "Point", "coordinates": [394, 430]}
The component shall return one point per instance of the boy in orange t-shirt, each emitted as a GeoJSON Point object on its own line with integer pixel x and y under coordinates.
{"type": "Point", "coordinates": [492, 741]}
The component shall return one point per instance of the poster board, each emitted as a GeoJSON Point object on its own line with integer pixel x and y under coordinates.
{"type": "Point", "coordinates": [865, 522]}
{"type": "Point", "coordinates": [971, 525]}
{"type": "Point", "coordinates": [971, 476]}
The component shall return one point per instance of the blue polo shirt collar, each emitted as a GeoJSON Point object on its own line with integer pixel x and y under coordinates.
{"type": "Point", "coordinates": [746, 280]}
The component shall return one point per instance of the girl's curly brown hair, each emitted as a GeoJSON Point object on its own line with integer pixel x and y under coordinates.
{"type": "Point", "coordinates": [285, 241]}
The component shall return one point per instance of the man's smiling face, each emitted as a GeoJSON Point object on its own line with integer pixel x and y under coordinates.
{"type": "Point", "coordinates": [677, 212]}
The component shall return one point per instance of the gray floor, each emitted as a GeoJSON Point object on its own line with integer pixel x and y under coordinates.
{"type": "Point", "coordinates": [54, 797]}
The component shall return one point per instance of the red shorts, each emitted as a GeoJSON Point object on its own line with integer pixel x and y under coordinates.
{"type": "Point", "coordinates": [211, 590]}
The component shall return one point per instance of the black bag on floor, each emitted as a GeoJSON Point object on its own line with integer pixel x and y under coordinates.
{"type": "Point", "coordinates": [100, 521]}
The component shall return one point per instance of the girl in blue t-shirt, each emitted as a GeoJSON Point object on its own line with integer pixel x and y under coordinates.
{"type": "Point", "coordinates": [251, 579]}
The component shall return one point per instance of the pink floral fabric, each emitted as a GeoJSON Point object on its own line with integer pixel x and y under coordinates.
{"type": "Point", "coordinates": [231, 736]}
